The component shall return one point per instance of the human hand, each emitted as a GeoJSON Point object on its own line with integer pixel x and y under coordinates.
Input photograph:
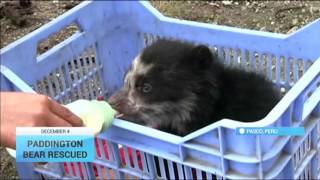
{"type": "Point", "coordinates": [31, 110]}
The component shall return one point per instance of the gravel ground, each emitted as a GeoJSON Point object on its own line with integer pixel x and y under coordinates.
{"type": "Point", "coordinates": [273, 16]}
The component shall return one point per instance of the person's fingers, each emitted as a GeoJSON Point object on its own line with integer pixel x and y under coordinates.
{"type": "Point", "coordinates": [9, 141]}
{"type": "Point", "coordinates": [57, 121]}
{"type": "Point", "coordinates": [11, 144]}
{"type": "Point", "coordinates": [65, 113]}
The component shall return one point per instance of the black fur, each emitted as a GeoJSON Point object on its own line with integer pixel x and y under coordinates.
{"type": "Point", "coordinates": [184, 74]}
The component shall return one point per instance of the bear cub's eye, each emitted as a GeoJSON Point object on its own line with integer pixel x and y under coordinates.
{"type": "Point", "coordinates": [146, 88]}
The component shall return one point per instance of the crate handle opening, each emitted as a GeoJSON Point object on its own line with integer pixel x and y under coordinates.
{"type": "Point", "coordinates": [56, 38]}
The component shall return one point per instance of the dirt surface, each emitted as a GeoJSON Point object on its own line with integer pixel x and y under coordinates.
{"type": "Point", "coordinates": [273, 16]}
{"type": "Point", "coordinates": [17, 21]}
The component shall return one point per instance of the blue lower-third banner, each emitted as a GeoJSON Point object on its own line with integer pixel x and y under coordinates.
{"type": "Point", "coordinates": [70, 144]}
{"type": "Point", "coordinates": [273, 131]}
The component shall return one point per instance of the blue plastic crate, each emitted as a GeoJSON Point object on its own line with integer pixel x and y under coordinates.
{"type": "Point", "coordinates": [93, 61]}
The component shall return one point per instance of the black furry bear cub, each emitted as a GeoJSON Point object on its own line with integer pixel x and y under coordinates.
{"type": "Point", "coordinates": [179, 87]}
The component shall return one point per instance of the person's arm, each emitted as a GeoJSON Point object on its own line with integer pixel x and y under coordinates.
{"type": "Point", "coordinates": [31, 110]}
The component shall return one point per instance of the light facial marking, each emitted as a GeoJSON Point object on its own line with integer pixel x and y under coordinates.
{"type": "Point", "coordinates": [138, 68]}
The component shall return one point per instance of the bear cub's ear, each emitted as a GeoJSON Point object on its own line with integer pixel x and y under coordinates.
{"type": "Point", "coordinates": [200, 57]}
